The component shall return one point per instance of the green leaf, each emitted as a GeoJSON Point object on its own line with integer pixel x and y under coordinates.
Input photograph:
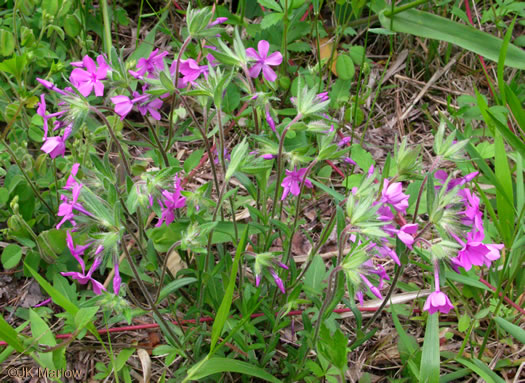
{"type": "Point", "coordinates": [193, 159]}
{"type": "Point", "coordinates": [511, 138]}
{"type": "Point", "coordinates": [9, 335]}
{"type": "Point", "coordinates": [11, 256]}
{"type": "Point", "coordinates": [123, 357]}
{"type": "Point", "coordinates": [50, 6]}
{"type": "Point", "coordinates": [429, 370]}
{"type": "Point", "coordinates": [481, 369]}
{"type": "Point", "coordinates": [427, 25]}
{"type": "Point", "coordinates": [212, 366]}
{"type": "Point", "coordinates": [313, 278]}
{"type": "Point", "coordinates": [85, 315]}
{"type": "Point", "coordinates": [270, 19]}
{"type": "Point", "coordinates": [72, 25]}
{"type": "Point", "coordinates": [345, 67]}
{"type": "Point", "coordinates": [7, 43]}
{"type": "Point", "coordinates": [175, 285]}
{"type": "Point", "coordinates": [57, 297]}
{"type": "Point", "coordinates": [270, 4]}
{"type": "Point", "coordinates": [42, 335]}
{"type": "Point", "coordinates": [505, 209]}
{"type": "Point", "coordinates": [512, 329]}
{"type": "Point", "coordinates": [463, 323]}
{"type": "Point", "coordinates": [237, 156]}
{"type": "Point", "coordinates": [224, 309]}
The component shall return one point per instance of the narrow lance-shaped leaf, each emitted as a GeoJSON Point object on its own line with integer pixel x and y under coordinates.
{"type": "Point", "coordinates": [427, 25]}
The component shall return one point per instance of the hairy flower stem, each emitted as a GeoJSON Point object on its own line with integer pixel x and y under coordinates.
{"type": "Point", "coordinates": [324, 236]}
{"type": "Point", "coordinates": [114, 138]}
{"type": "Point", "coordinates": [31, 184]}
{"type": "Point", "coordinates": [330, 291]}
{"type": "Point", "coordinates": [434, 165]}
{"type": "Point", "coordinates": [252, 88]}
{"type": "Point", "coordinates": [297, 211]}
{"type": "Point", "coordinates": [223, 163]}
{"type": "Point", "coordinates": [204, 137]}
{"type": "Point", "coordinates": [176, 81]}
{"type": "Point", "coordinates": [152, 304]}
{"type": "Point", "coordinates": [279, 162]}
{"type": "Point", "coordinates": [157, 141]}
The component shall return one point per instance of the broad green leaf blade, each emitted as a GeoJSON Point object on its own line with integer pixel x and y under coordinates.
{"type": "Point", "coordinates": [224, 309]}
{"type": "Point", "coordinates": [429, 370]}
{"type": "Point", "coordinates": [512, 329]}
{"type": "Point", "coordinates": [57, 297]}
{"type": "Point", "coordinates": [10, 336]}
{"type": "Point", "coordinates": [427, 25]}
{"type": "Point", "coordinates": [218, 365]}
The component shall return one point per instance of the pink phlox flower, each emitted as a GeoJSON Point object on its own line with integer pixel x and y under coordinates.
{"type": "Point", "coordinates": [152, 64]}
{"type": "Point", "coordinates": [344, 141]}
{"type": "Point", "coordinates": [117, 280]}
{"type": "Point", "coordinates": [405, 234]}
{"type": "Point", "coordinates": [475, 252]}
{"type": "Point", "coordinates": [56, 146]}
{"type": "Point", "coordinates": [270, 120]}
{"type": "Point", "coordinates": [41, 111]}
{"type": "Point", "coordinates": [323, 96]}
{"type": "Point", "coordinates": [381, 273]}
{"type": "Point", "coordinates": [385, 251]}
{"type": "Point", "coordinates": [87, 80]}
{"type": "Point", "coordinates": [43, 303]}
{"type": "Point", "coordinates": [67, 206]}
{"type": "Point", "coordinates": [472, 215]}
{"type": "Point", "coordinates": [217, 21]}
{"type": "Point", "coordinates": [170, 202]}
{"type": "Point", "coordinates": [385, 213]}
{"type": "Point", "coordinates": [268, 156]}
{"type": "Point", "coordinates": [371, 287]}
{"type": "Point", "coordinates": [370, 172]}
{"type": "Point", "coordinates": [442, 176]}
{"type": "Point", "coordinates": [291, 183]}
{"type": "Point", "coordinates": [76, 251]}
{"type": "Point", "coordinates": [393, 194]}
{"type": "Point", "coordinates": [278, 281]}
{"type": "Point", "coordinates": [227, 156]}
{"type": "Point", "coordinates": [152, 107]}
{"type": "Point", "coordinates": [124, 105]}
{"type": "Point", "coordinates": [349, 161]}
{"type": "Point", "coordinates": [84, 279]}
{"type": "Point", "coordinates": [438, 301]}
{"type": "Point", "coordinates": [50, 86]}
{"type": "Point", "coordinates": [190, 71]}
{"type": "Point", "coordinates": [263, 61]}
{"type": "Point", "coordinates": [71, 179]}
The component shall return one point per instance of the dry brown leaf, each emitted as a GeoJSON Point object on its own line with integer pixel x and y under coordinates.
{"type": "Point", "coordinates": [175, 263]}
{"type": "Point", "coordinates": [145, 361]}
{"type": "Point", "coordinates": [326, 46]}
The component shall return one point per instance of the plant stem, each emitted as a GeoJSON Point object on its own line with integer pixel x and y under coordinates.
{"type": "Point", "coordinates": [151, 303]}
{"type": "Point", "coordinates": [279, 162]}
{"type": "Point", "coordinates": [107, 28]}
{"type": "Point", "coordinates": [157, 141]}
{"type": "Point", "coordinates": [31, 184]}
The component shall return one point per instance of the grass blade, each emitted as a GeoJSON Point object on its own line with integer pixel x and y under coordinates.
{"type": "Point", "coordinates": [224, 309]}
{"type": "Point", "coordinates": [427, 25]}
